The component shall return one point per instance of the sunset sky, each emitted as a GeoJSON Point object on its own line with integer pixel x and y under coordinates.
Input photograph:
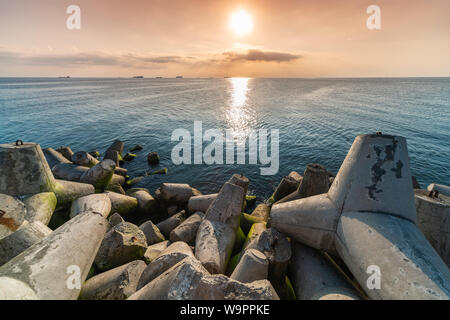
{"type": "Point", "coordinates": [193, 38]}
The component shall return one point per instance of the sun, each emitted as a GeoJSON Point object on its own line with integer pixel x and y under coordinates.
{"type": "Point", "coordinates": [241, 23]}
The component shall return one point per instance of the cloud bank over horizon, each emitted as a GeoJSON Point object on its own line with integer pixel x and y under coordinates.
{"type": "Point", "coordinates": [289, 38]}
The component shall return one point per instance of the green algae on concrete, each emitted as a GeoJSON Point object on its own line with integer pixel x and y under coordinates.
{"type": "Point", "coordinates": [43, 268]}
{"type": "Point", "coordinates": [40, 207]}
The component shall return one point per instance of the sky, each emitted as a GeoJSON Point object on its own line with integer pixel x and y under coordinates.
{"type": "Point", "coordinates": [290, 38]}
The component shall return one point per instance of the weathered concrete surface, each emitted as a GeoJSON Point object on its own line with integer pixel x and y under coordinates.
{"type": "Point", "coordinates": [54, 157]}
{"type": "Point", "coordinates": [241, 181]}
{"type": "Point", "coordinates": [247, 220]}
{"type": "Point", "coordinates": [277, 249]}
{"type": "Point", "coordinates": [152, 233]}
{"type": "Point", "coordinates": [129, 192]}
{"type": "Point", "coordinates": [287, 185]}
{"type": "Point", "coordinates": [12, 215]}
{"type": "Point", "coordinates": [376, 174]}
{"type": "Point", "coordinates": [433, 219]}
{"type": "Point", "coordinates": [214, 245]}
{"type": "Point", "coordinates": [176, 193]}
{"type": "Point", "coordinates": [410, 267]}
{"type": "Point", "coordinates": [217, 232]}
{"type": "Point", "coordinates": [226, 208]}
{"type": "Point", "coordinates": [261, 211]}
{"type": "Point", "coordinates": [115, 219]}
{"type": "Point", "coordinates": [84, 159]}
{"type": "Point", "coordinates": [171, 223]}
{"type": "Point", "coordinates": [253, 266]}
{"type": "Point", "coordinates": [115, 187]}
{"type": "Point", "coordinates": [189, 280]}
{"type": "Point", "coordinates": [170, 256]}
{"type": "Point", "coordinates": [69, 171]}
{"type": "Point", "coordinates": [121, 171]}
{"type": "Point", "coordinates": [445, 190]}
{"type": "Point", "coordinates": [173, 209]}
{"type": "Point", "coordinates": [187, 230]}
{"type": "Point", "coordinates": [374, 205]}
{"type": "Point", "coordinates": [17, 242]}
{"type": "Point", "coordinates": [155, 250]}
{"type": "Point", "coordinates": [122, 204]}
{"type": "Point", "coordinates": [24, 170]}
{"type": "Point", "coordinates": [146, 203]}
{"type": "Point", "coordinates": [113, 156]}
{"type": "Point", "coordinates": [255, 231]}
{"type": "Point", "coordinates": [122, 244]}
{"type": "Point", "coordinates": [99, 175]}
{"type": "Point", "coordinates": [98, 203]}
{"type": "Point", "coordinates": [117, 179]}
{"type": "Point", "coordinates": [66, 152]}
{"type": "Point", "coordinates": [116, 284]}
{"type": "Point", "coordinates": [68, 191]}
{"type": "Point", "coordinates": [43, 270]}
{"type": "Point", "coordinates": [117, 146]}
{"type": "Point", "coordinates": [312, 221]}
{"type": "Point", "coordinates": [315, 278]}
{"type": "Point", "coordinates": [315, 181]}
{"type": "Point", "coordinates": [201, 203]}
{"type": "Point", "coordinates": [40, 207]}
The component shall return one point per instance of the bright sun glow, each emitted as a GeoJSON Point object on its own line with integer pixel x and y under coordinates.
{"type": "Point", "coordinates": [241, 23]}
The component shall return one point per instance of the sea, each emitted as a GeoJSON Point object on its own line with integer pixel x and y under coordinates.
{"type": "Point", "coordinates": [317, 121]}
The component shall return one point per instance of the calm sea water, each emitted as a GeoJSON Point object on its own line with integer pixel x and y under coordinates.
{"type": "Point", "coordinates": [318, 120]}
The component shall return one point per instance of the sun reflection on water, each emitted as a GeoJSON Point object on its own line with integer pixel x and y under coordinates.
{"type": "Point", "coordinates": [239, 114]}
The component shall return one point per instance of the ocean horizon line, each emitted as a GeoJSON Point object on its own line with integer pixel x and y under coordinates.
{"type": "Point", "coordinates": [224, 77]}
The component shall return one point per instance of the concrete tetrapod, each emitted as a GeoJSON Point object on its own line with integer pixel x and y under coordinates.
{"type": "Point", "coordinates": [22, 239]}
{"type": "Point", "coordinates": [170, 256]}
{"type": "Point", "coordinates": [314, 277]}
{"type": "Point", "coordinates": [315, 181]}
{"type": "Point", "coordinates": [187, 230]}
{"type": "Point", "coordinates": [176, 193]}
{"type": "Point", "coordinates": [99, 175]}
{"type": "Point", "coordinates": [189, 280]}
{"type": "Point", "coordinates": [124, 243]}
{"type": "Point", "coordinates": [369, 218]}
{"type": "Point", "coordinates": [66, 152]}
{"type": "Point", "coordinates": [287, 185]}
{"type": "Point", "coordinates": [53, 268]}
{"type": "Point", "coordinates": [12, 215]}
{"type": "Point", "coordinates": [217, 231]}
{"type": "Point", "coordinates": [98, 203]}
{"type": "Point", "coordinates": [40, 207]}
{"type": "Point", "coordinates": [116, 284]}
{"type": "Point", "coordinates": [253, 266]}
{"type": "Point", "coordinates": [201, 203]}
{"type": "Point", "coordinates": [433, 219]}
{"type": "Point", "coordinates": [25, 171]}
{"type": "Point", "coordinates": [155, 250]}
{"type": "Point", "coordinates": [54, 157]}
{"type": "Point", "coordinates": [84, 159]}
{"type": "Point", "coordinates": [445, 190]}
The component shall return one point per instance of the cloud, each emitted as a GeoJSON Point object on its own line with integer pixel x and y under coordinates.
{"type": "Point", "coordinates": [261, 56]}
{"type": "Point", "coordinates": [131, 60]}
{"type": "Point", "coordinates": [89, 59]}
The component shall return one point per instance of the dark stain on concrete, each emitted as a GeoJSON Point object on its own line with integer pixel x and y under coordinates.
{"type": "Point", "coordinates": [398, 169]}
{"type": "Point", "coordinates": [377, 169]}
